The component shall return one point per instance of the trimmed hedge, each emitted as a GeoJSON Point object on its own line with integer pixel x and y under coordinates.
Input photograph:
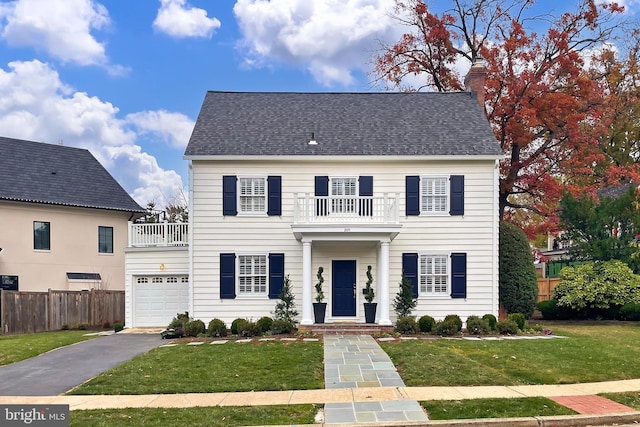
{"type": "Point", "coordinates": [518, 284]}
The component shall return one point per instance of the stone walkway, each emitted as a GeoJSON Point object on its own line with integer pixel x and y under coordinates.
{"type": "Point", "coordinates": [357, 362]}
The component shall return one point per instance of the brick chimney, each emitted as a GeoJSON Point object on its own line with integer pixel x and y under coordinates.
{"type": "Point", "coordinates": [474, 80]}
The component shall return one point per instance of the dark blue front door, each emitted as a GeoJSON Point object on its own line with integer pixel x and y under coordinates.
{"type": "Point", "coordinates": [343, 279]}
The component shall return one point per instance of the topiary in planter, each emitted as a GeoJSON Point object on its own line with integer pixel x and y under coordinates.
{"type": "Point", "coordinates": [426, 324]}
{"type": "Point", "coordinates": [216, 328]}
{"type": "Point", "coordinates": [477, 326]}
{"type": "Point", "coordinates": [406, 325]}
{"type": "Point", "coordinates": [194, 328]}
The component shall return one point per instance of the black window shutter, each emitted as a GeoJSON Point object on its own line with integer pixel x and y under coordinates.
{"type": "Point", "coordinates": [229, 195]}
{"type": "Point", "coordinates": [456, 193]}
{"type": "Point", "coordinates": [410, 270]}
{"type": "Point", "coordinates": [412, 193]}
{"type": "Point", "coordinates": [458, 275]}
{"type": "Point", "coordinates": [322, 190]}
{"type": "Point", "coordinates": [276, 274]}
{"type": "Point", "coordinates": [274, 200]}
{"type": "Point", "coordinates": [227, 276]}
{"type": "Point", "coordinates": [365, 188]}
{"type": "Point", "coordinates": [366, 185]}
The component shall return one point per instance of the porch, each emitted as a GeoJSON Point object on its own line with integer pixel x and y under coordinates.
{"type": "Point", "coordinates": [345, 329]}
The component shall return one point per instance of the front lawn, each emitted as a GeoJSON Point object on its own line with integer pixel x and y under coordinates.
{"type": "Point", "coordinates": [594, 352]}
{"type": "Point", "coordinates": [226, 416]}
{"type": "Point", "coordinates": [207, 368]}
{"type": "Point", "coordinates": [494, 408]}
{"type": "Point", "coordinates": [630, 399]}
{"type": "Point", "coordinates": [14, 348]}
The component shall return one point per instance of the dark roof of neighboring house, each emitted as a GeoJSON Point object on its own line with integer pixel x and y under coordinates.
{"type": "Point", "coordinates": [615, 191]}
{"type": "Point", "coordinates": [54, 174]}
{"type": "Point", "coordinates": [375, 124]}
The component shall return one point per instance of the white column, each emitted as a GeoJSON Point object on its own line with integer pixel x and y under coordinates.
{"type": "Point", "coordinates": [383, 281]}
{"type": "Point", "coordinates": [307, 307]}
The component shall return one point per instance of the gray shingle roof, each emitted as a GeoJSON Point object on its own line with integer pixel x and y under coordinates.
{"type": "Point", "coordinates": [377, 124]}
{"type": "Point", "coordinates": [46, 173]}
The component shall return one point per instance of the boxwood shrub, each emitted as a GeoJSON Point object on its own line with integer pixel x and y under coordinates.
{"type": "Point", "coordinates": [426, 324]}
{"type": "Point", "coordinates": [406, 325]}
{"type": "Point", "coordinates": [194, 328]}
{"type": "Point", "coordinates": [492, 321]}
{"type": "Point", "coordinates": [477, 325]}
{"type": "Point", "coordinates": [217, 328]}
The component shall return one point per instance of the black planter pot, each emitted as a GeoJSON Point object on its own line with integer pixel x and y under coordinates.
{"type": "Point", "coordinates": [370, 311]}
{"type": "Point", "coordinates": [319, 309]}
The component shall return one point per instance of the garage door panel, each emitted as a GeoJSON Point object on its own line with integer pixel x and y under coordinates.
{"type": "Point", "coordinates": [157, 302]}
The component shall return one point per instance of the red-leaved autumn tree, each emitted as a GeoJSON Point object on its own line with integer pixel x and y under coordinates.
{"type": "Point", "coordinates": [546, 93]}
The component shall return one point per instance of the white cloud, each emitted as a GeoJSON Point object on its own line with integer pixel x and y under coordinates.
{"type": "Point", "coordinates": [178, 19]}
{"type": "Point", "coordinates": [173, 128]}
{"type": "Point", "coordinates": [331, 37]}
{"type": "Point", "coordinates": [60, 27]}
{"type": "Point", "coordinates": [36, 105]}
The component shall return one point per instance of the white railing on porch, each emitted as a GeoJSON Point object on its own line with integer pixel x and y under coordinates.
{"type": "Point", "coordinates": [160, 234]}
{"type": "Point", "coordinates": [310, 209]}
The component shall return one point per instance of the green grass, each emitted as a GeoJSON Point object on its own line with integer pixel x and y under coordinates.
{"type": "Point", "coordinates": [594, 352]}
{"type": "Point", "coordinates": [493, 408]}
{"type": "Point", "coordinates": [14, 348]}
{"type": "Point", "coordinates": [195, 417]}
{"type": "Point", "coordinates": [230, 367]}
{"type": "Point", "coordinates": [630, 399]}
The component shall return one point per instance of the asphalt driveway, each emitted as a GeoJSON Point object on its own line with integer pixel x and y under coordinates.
{"type": "Point", "coordinates": [59, 370]}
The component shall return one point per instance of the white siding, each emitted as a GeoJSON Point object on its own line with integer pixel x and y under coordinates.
{"type": "Point", "coordinates": [474, 233]}
{"type": "Point", "coordinates": [147, 262]}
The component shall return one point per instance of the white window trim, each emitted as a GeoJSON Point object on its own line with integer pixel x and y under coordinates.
{"type": "Point", "coordinates": [436, 295]}
{"type": "Point", "coordinates": [251, 295]}
{"type": "Point", "coordinates": [355, 196]}
{"type": "Point", "coordinates": [447, 179]}
{"type": "Point", "coordinates": [266, 196]}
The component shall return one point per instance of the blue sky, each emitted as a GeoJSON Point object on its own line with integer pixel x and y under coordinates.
{"type": "Point", "coordinates": [125, 78]}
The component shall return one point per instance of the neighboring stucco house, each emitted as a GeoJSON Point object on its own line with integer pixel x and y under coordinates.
{"type": "Point", "coordinates": [64, 219]}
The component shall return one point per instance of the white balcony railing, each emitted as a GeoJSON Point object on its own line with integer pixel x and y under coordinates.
{"type": "Point", "coordinates": [309, 209]}
{"type": "Point", "coordinates": [160, 234]}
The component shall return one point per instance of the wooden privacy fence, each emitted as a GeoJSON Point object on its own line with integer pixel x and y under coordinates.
{"type": "Point", "coordinates": [27, 312]}
{"type": "Point", "coordinates": [545, 287]}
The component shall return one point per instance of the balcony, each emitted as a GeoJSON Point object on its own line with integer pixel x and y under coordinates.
{"type": "Point", "coordinates": [346, 218]}
{"type": "Point", "coordinates": [310, 209]}
{"type": "Point", "coordinates": [162, 234]}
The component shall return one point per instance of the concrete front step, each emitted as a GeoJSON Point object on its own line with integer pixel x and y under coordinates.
{"type": "Point", "coordinates": [345, 328]}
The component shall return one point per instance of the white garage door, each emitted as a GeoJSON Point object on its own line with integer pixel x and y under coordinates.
{"type": "Point", "coordinates": [159, 298]}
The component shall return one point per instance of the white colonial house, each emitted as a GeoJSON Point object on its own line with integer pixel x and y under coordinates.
{"type": "Point", "coordinates": [284, 183]}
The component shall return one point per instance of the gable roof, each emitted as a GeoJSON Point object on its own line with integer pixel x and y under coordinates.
{"type": "Point", "coordinates": [53, 174]}
{"type": "Point", "coordinates": [371, 124]}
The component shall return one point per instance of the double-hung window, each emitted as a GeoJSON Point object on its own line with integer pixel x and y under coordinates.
{"type": "Point", "coordinates": [434, 194]}
{"type": "Point", "coordinates": [252, 195]}
{"type": "Point", "coordinates": [343, 192]}
{"type": "Point", "coordinates": [434, 275]}
{"type": "Point", "coordinates": [41, 235]}
{"type": "Point", "coordinates": [105, 240]}
{"type": "Point", "coordinates": [252, 275]}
